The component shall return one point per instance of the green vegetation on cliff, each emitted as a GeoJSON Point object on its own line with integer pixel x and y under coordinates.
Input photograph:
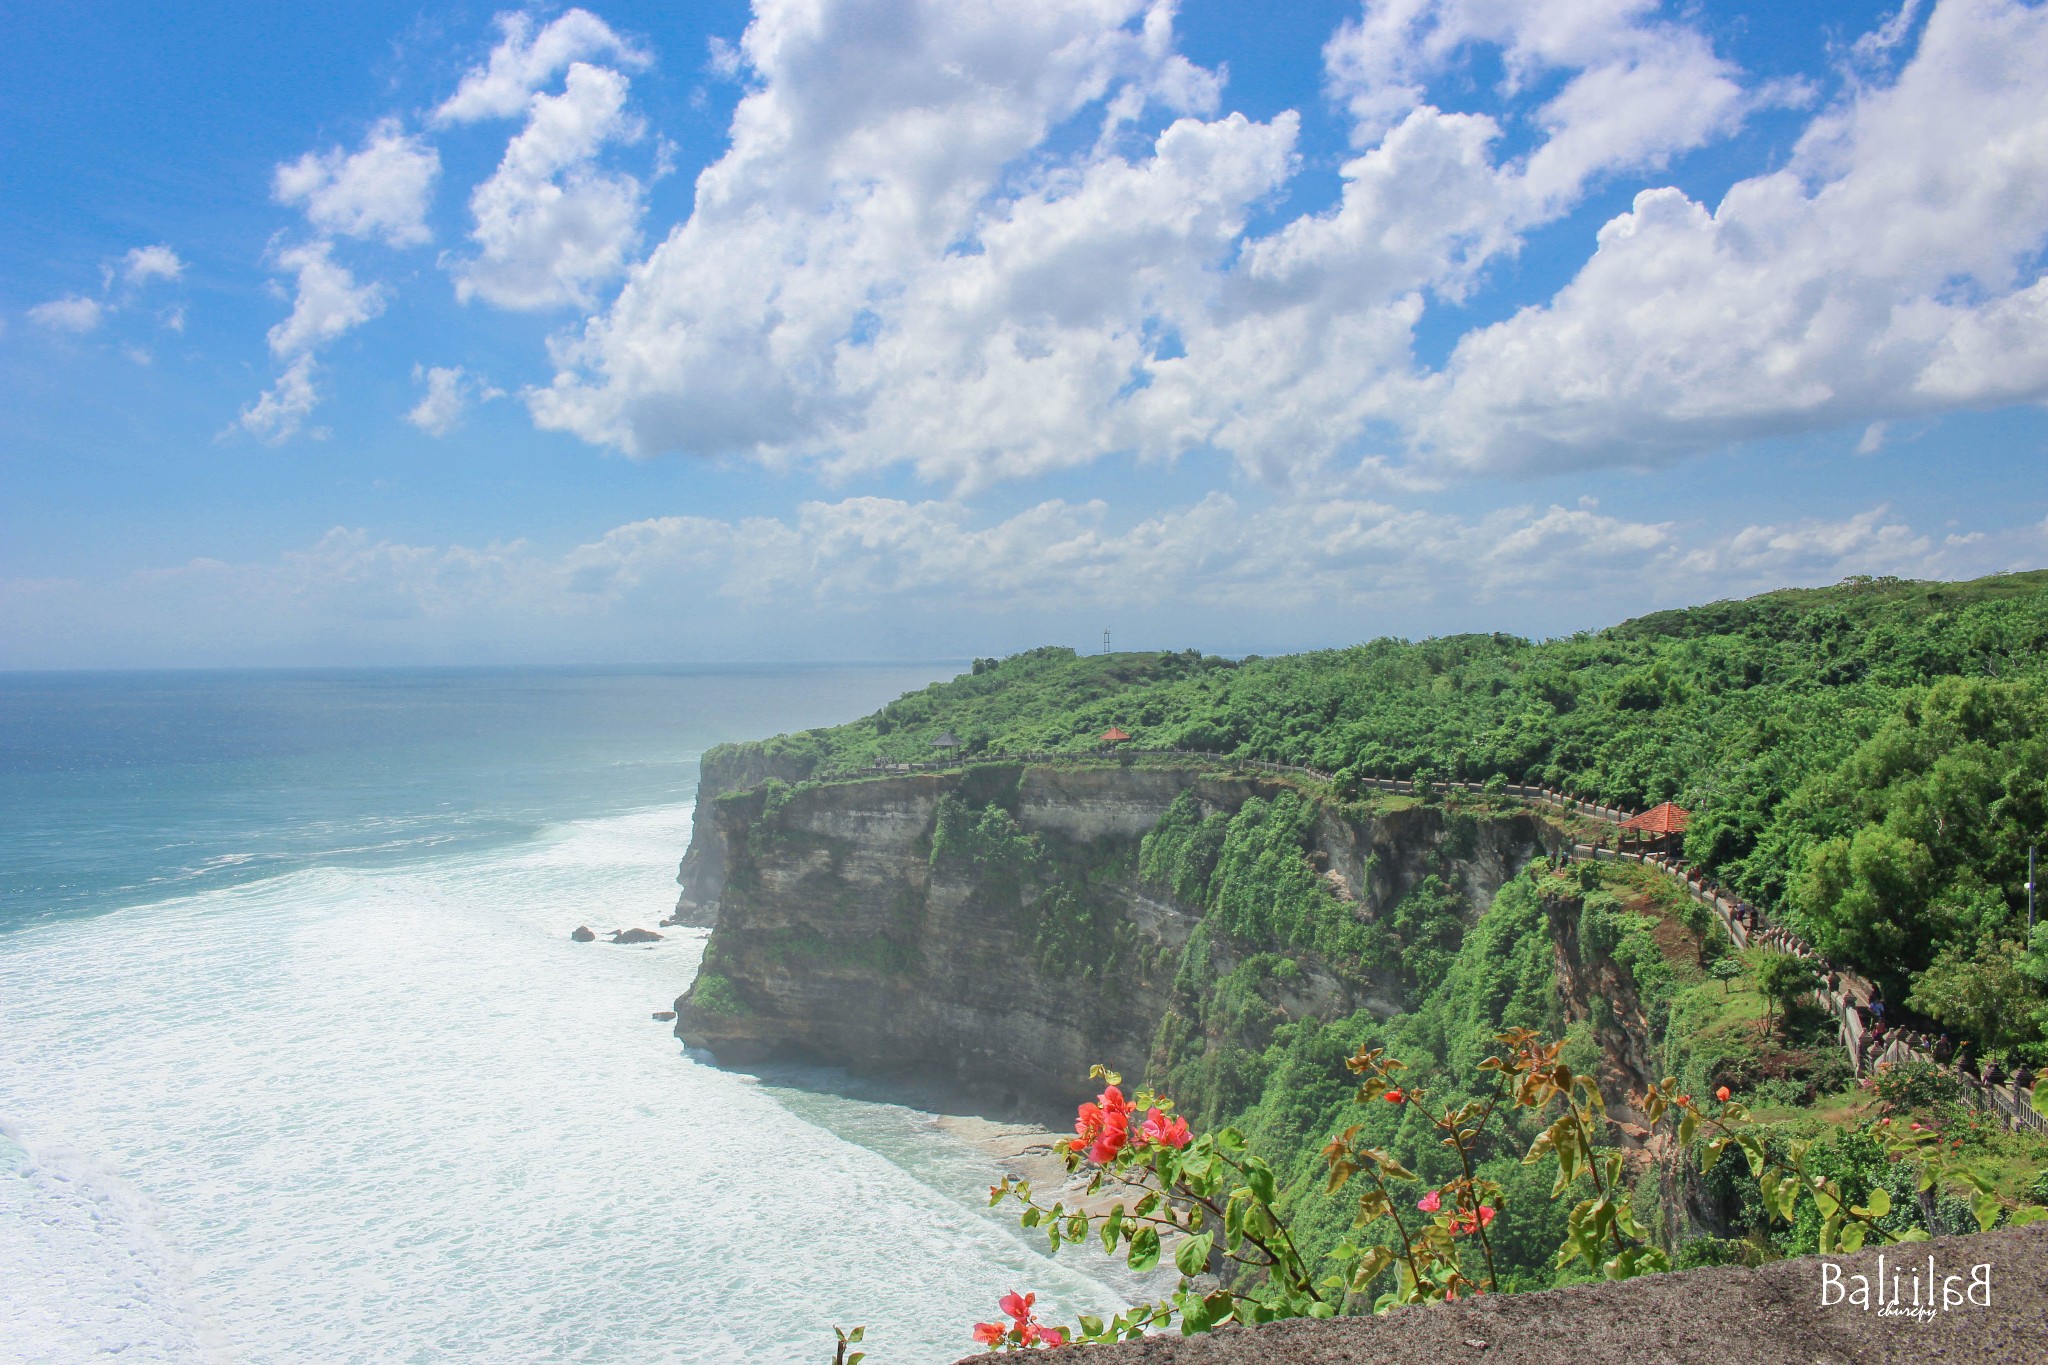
{"type": "Point", "coordinates": [1868, 761]}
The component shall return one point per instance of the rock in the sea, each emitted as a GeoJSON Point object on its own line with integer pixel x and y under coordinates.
{"type": "Point", "coordinates": [664, 1016]}
{"type": "Point", "coordinates": [635, 936]}
{"type": "Point", "coordinates": [583, 934]}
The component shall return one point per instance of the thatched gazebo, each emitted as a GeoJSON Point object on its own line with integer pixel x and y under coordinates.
{"type": "Point", "coordinates": [945, 741]}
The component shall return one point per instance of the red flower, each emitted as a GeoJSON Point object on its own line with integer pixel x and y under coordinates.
{"type": "Point", "coordinates": [1429, 1203]}
{"type": "Point", "coordinates": [1164, 1131]}
{"type": "Point", "coordinates": [1018, 1306]}
{"type": "Point", "coordinates": [1051, 1336]}
{"type": "Point", "coordinates": [1684, 1100]}
{"type": "Point", "coordinates": [1465, 1222]}
{"type": "Point", "coordinates": [1103, 1131]}
{"type": "Point", "coordinates": [1722, 1094]}
{"type": "Point", "coordinates": [989, 1333]}
{"type": "Point", "coordinates": [1395, 1097]}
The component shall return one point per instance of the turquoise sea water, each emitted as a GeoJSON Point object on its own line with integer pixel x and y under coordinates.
{"type": "Point", "coordinates": [298, 1063]}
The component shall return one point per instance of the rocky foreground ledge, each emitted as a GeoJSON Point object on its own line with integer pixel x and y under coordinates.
{"type": "Point", "coordinates": [1728, 1316]}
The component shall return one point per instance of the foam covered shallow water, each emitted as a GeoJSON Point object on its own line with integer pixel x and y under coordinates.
{"type": "Point", "coordinates": [394, 1114]}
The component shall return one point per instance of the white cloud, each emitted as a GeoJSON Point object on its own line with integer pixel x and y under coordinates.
{"type": "Point", "coordinates": [451, 390]}
{"type": "Point", "coordinates": [1639, 88]}
{"type": "Point", "coordinates": [1888, 271]}
{"type": "Point", "coordinates": [283, 408]}
{"type": "Point", "coordinates": [551, 225]}
{"type": "Point", "coordinates": [381, 190]}
{"type": "Point", "coordinates": [856, 229]}
{"type": "Point", "coordinates": [146, 263]}
{"type": "Point", "coordinates": [850, 576]}
{"type": "Point", "coordinates": [75, 313]}
{"type": "Point", "coordinates": [526, 59]}
{"type": "Point", "coordinates": [327, 302]}
{"type": "Point", "coordinates": [1869, 542]}
{"type": "Point", "coordinates": [906, 255]}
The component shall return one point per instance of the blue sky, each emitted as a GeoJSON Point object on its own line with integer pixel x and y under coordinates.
{"type": "Point", "coordinates": [376, 333]}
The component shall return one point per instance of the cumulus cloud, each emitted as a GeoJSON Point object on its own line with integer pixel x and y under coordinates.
{"type": "Point", "coordinates": [326, 303]}
{"type": "Point", "coordinates": [1888, 271]}
{"type": "Point", "coordinates": [74, 313]}
{"type": "Point", "coordinates": [145, 263]}
{"type": "Point", "coordinates": [381, 190]}
{"type": "Point", "coordinates": [550, 224]}
{"type": "Point", "coordinates": [911, 253]}
{"type": "Point", "coordinates": [282, 409]}
{"type": "Point", "coordinates": [527, 58]}
{"type": "Point", "coordinates": [889, 264]}
{"type": "Point", "coordinates": [451, 390]}
{"type": "Point", "coordinates": [832, 250]}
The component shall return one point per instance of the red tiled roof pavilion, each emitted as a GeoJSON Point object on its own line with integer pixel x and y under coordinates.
{"type": "Point", "coordinates": [1664, 819]}
{"type": "Point", "coordinates": [1114, 736]}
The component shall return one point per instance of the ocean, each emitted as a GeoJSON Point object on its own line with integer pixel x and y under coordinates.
{"type": "Point", "coordinates": [298, 1063]}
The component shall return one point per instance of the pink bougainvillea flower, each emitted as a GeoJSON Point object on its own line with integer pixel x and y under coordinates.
{"type": "Point", "coordinates": [1018, 1306]}
{"type": "Point", "coordinates": [1466, 1222]}
{"type": "Point", "coordinates": [1722, 1094]}
{"type": "Point", "coordinates": [1164, 1131]}
{"type": "Point", "coordinates": [1915, 1127]}
{"type": "Point", "coordinates": [989, 1333]}
{"type": "Point", "coordinates": [1116, 1132]}
{"type": "Point", "coordinates": [1429, 1203]}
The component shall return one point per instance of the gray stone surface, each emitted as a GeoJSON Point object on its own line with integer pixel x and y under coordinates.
{"type": "Point", "coordinates": [1729, 1316]}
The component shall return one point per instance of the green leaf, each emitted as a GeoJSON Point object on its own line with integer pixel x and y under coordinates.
{"type": "Point", "coordinates": [1880, 1203]}
{"type": "Point", "coordinates": [1370, 1264]}
{"type": "Point", "coordinates": [1986, 1207]}
{"type": "Point", "coordinates": [1191, 1257]}
{"type": "Point", "coordinates": [1144, 1253]}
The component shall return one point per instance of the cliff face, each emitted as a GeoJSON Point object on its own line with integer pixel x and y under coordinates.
{"type": "Point", "coordinates": [724, 768]}
{"type": "Point", "coordinates": [890, 926]}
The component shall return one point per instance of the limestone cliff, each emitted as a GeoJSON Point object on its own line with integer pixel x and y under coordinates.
{"type": "Point", "coordinates": [856, 925]}
{"type": "Point", "coordinates": [724, 768]}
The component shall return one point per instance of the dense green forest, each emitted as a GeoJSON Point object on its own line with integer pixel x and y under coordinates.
{"type": "Point", "coordinates": [1866, 761]}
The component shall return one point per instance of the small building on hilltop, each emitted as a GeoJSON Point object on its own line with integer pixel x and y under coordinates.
{"type": "Point", "coordinates": [1663, 826]}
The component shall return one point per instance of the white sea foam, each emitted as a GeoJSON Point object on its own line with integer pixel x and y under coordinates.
{"type": "Point", "coordinates": [395, 1114]}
